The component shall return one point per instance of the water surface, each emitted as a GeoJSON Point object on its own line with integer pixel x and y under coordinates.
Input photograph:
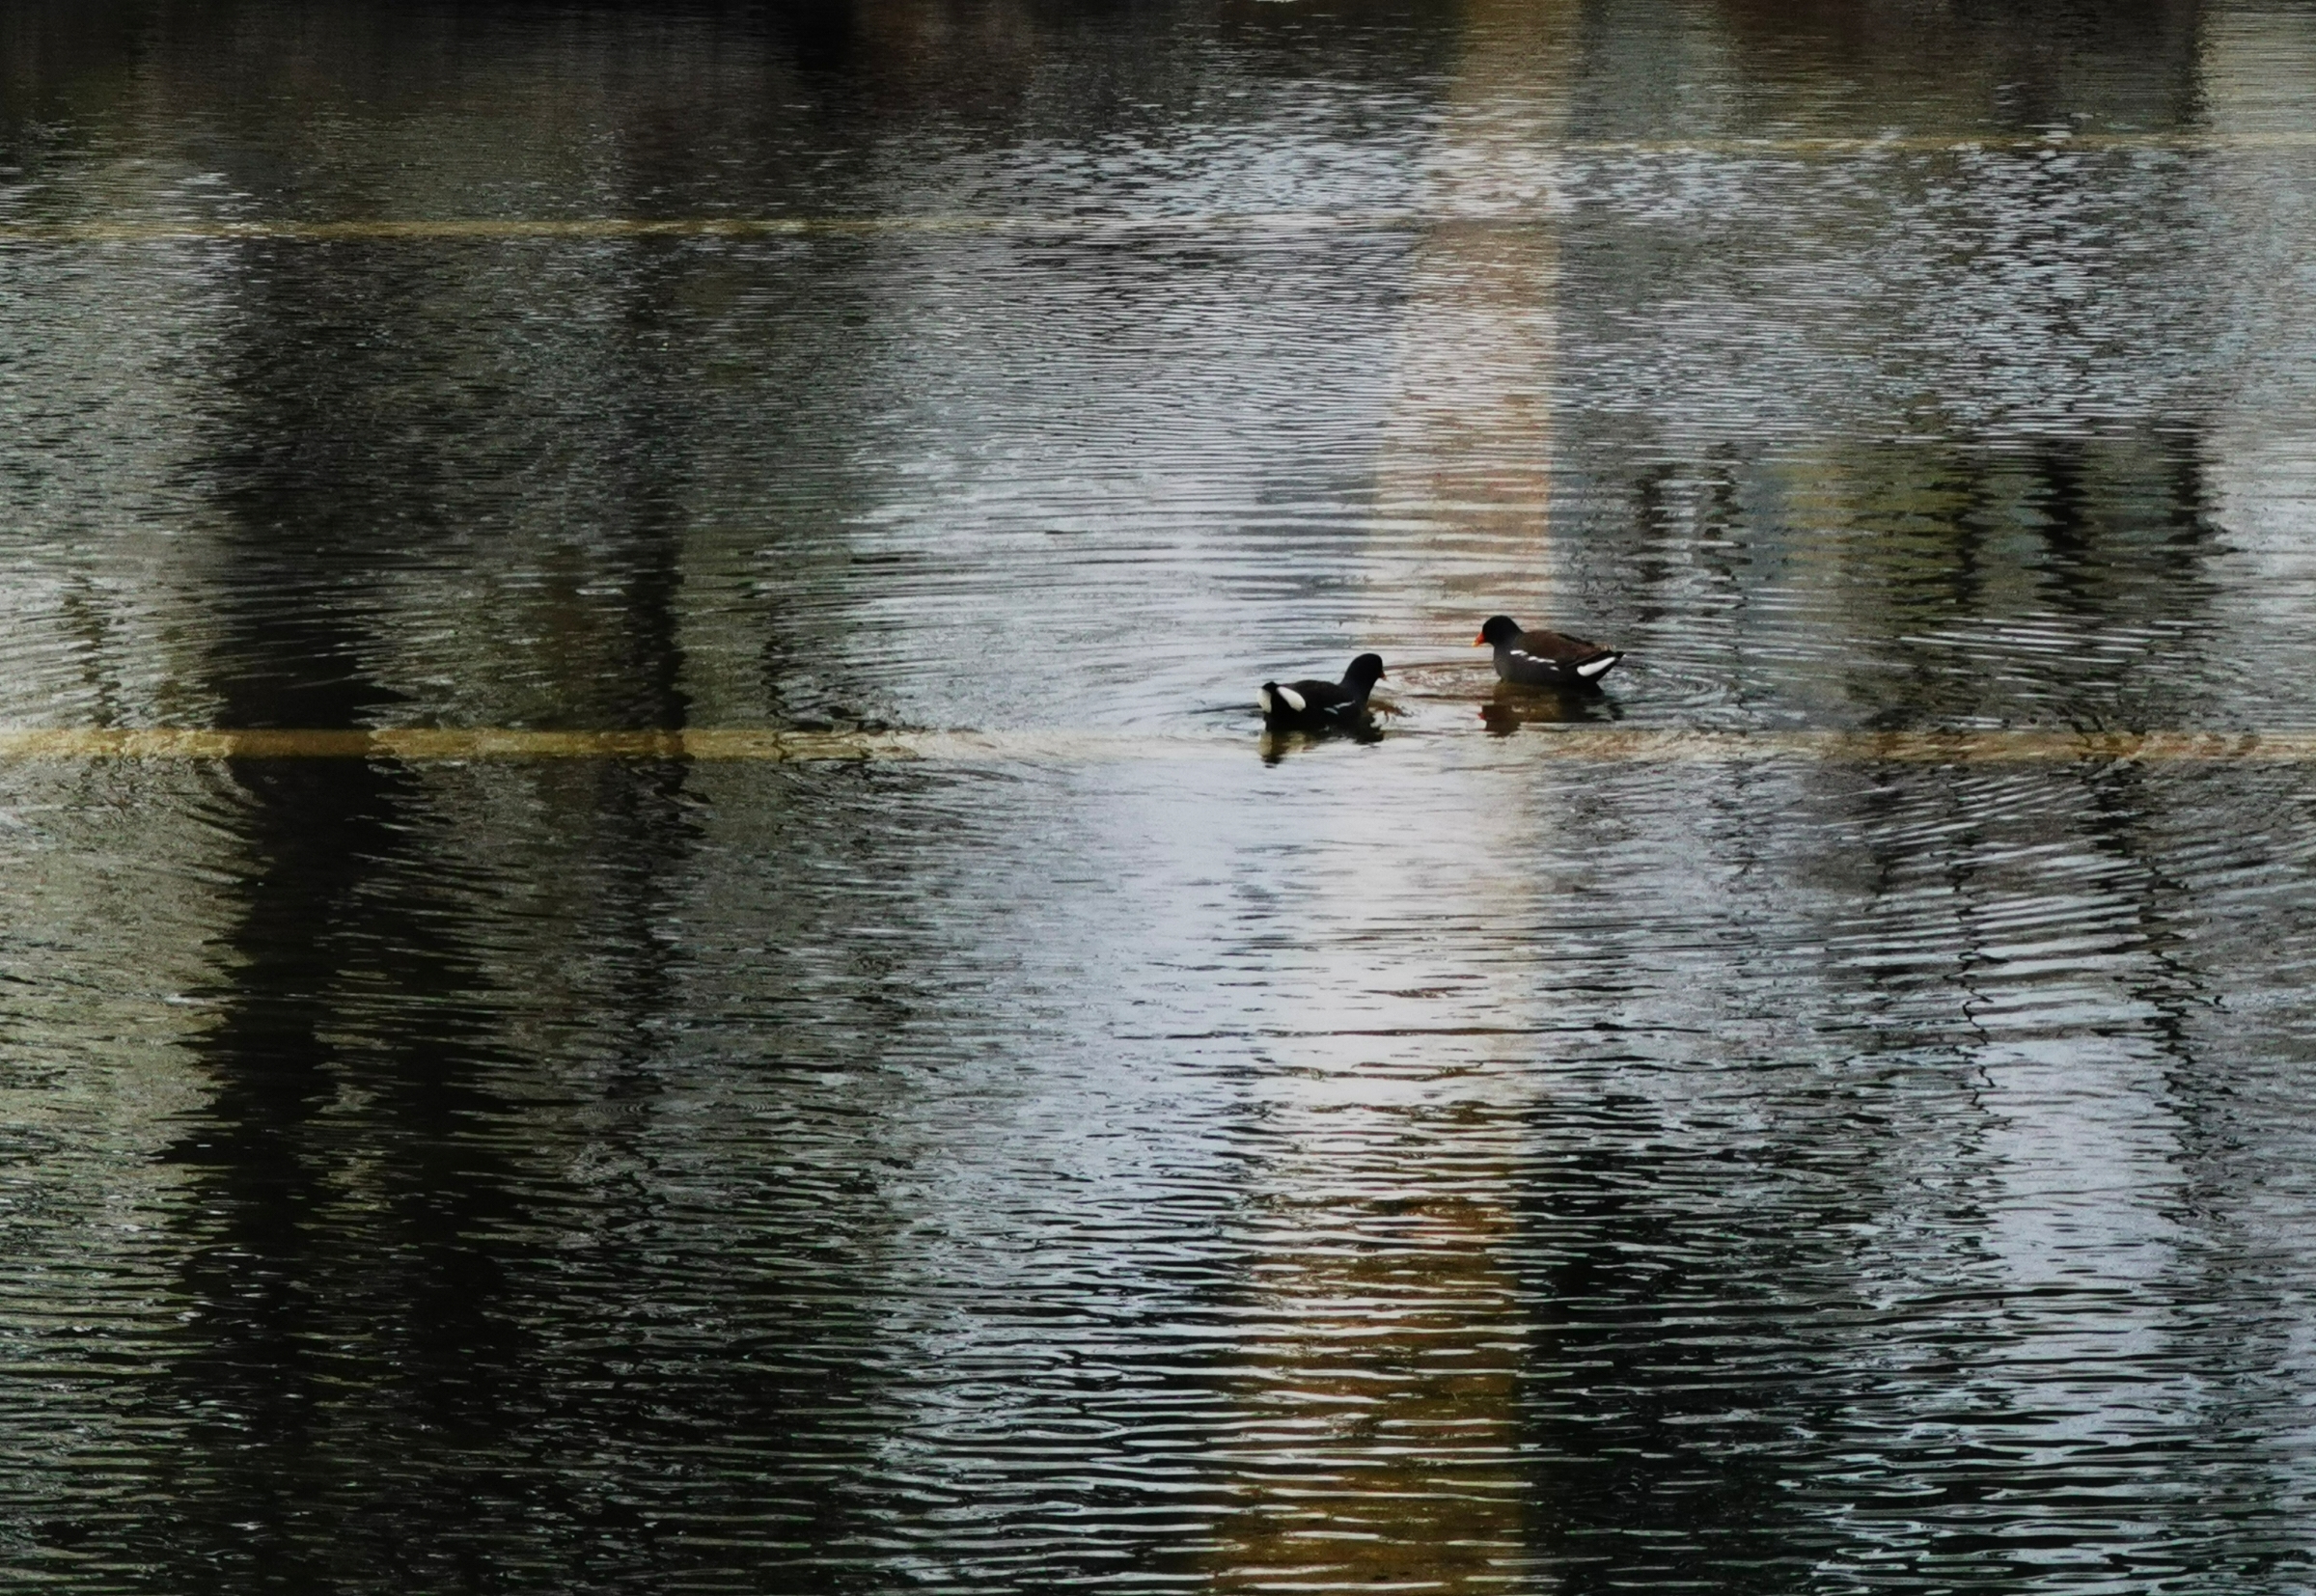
{"type": "Point", "coordinates": [1048, 1136]}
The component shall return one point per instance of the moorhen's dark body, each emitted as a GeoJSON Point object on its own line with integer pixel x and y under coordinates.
{"type": "Point", "coordinates": [1542, 658]}
{"type": "Point", "coordinates": [1313, 705]}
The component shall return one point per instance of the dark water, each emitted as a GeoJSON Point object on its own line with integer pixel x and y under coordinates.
{"type": "Point", "coordinates": [1106, 1157]}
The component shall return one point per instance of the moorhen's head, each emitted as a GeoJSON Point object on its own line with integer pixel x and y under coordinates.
{"type": "Point", "coordinates": [1365, 671]}
{"type": "Point", "coordinates": [1500, 630]}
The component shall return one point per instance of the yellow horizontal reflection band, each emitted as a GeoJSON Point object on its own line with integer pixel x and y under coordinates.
{"type": "Point", "coordinates": [1601, 744]}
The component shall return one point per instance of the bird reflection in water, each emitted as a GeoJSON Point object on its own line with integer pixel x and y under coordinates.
{"type": "Point", "coordinates": [1512, 706]}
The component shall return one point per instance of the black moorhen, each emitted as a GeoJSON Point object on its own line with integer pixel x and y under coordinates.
{"type": "Point", "coordinates": [1542, 658]}
{"type": "Point", "coordinates": [1315, 704]}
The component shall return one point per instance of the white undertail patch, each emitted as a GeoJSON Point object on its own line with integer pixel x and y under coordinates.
{"type": "Point", "coordinates": [1291, 699]}
{"type": "Point", "coordinates": [1594, 666]}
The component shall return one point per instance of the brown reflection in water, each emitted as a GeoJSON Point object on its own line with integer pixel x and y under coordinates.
{"type": "Point", "coordinates": [1379, 1436]}
{"type": "Point", "coordinates": [1512, 706]}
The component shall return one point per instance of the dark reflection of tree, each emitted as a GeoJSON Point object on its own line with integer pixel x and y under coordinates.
{"type": "Point", "coordinates": [1687, 1409]}
{"type": "Point", "coordinates": [2231, 1298]}
{"type": "Point", "coordinates": [56, 57]}
{"type": "Point", "coordinates": [653, 1393]}
{"type": "Point", "coordinates": [819, 33]}
{"type": "Point", "coordinates": [1667, 1380]}
{"type": "Point", "coordinates": [369, 1389]}
{"type": "Point", "coordinates": [346, 1331]}
{"type": "Point", "coordinates": [2025, 67]}
{"type": "Point", "coordinates": [1675, 1276]}
{"type": "Point", "coordinates": [1963, 1421]}
{"type": "Point", "coordinates": [2063, 584]}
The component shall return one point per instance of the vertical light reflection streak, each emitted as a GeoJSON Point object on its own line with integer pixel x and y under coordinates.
{"type": "Point", "coordinates": [1464, 479]}
{"type": "Point", "coordinates": [2262, 470]}
{"type": "Point", "coordinates": [1380, 1440]}
{"type": "Point", "coordinates": [106, 377]}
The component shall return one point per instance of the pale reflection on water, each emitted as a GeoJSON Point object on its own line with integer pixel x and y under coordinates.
{"type": "Point", "coordinates": [1829, 1113]}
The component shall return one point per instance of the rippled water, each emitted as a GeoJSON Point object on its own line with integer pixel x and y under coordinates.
{"type": "Point", "coordinates": [1831, 1112]}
